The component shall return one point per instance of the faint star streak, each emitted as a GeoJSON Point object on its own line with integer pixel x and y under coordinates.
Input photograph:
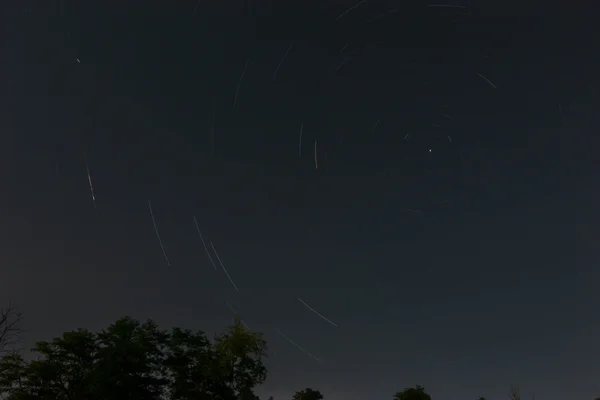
{"type": "Point", "coordinates": [204, 244]}
{"type": "Point", "coordinates": [316, 312]}
{"type": "Point", "coordinates": [158, 235]}
{"type": "Point", "coordinates": [298, 346]}
{"type": "Point", "coordinates": [222, 266]}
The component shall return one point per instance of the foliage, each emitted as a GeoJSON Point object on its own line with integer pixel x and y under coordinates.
{"type": "Point", "coordinates": [416, 393]}
{"type": "Point", "coordinates": [308, 394]}
{"type": "Point", "coordinates": [139, 361]}
{"type": "Point", "coordinates": [514, 393]}
{"type": "Point", "coordinates": [240, 352]}
{"type": "Point", "coordinates": [133, 360]}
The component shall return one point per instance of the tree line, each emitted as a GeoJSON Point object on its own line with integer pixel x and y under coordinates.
{"type": "Point", "coordinates": [139, 361]}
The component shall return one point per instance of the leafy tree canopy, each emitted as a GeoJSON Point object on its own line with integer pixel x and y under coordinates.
{"type": "Point", "coordinates": [308, 394]}
{"type": "Point", "coordinates": [416, 393]}
{"type": "Point", "coordinates": [133, 360]}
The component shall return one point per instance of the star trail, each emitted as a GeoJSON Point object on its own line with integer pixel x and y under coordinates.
{"type": "Point", "coordinates": [400, 193]}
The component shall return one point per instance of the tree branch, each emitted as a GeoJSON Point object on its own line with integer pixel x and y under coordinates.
{"type": "Point", "coordinates": [10, 327]}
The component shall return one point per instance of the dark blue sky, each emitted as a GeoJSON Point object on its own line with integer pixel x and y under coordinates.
{"type": "Point", "coordinates": [460, 258]}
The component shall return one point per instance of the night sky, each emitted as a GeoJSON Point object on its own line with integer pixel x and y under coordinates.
{"type": "Point", "coordinates": [421, 176]}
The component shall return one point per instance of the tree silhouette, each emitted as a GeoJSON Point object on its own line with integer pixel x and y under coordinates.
{"type": "Point", "coordinates": [10, 329]}
{"type": "Point", "coordinates": [64, 368]}
{"type": "Point", "coordinates": [228, 369]}
{"type": "Point", "coordinates": [514, 393]}
{"type": "Point", "coordinates": [308, 394]}
{"type": "Point", "coordinates": [131, 360]}
{"type": "Point", "coordinates": [120, 362]}
{"type": "Point", "coordinates": [416, 393]}
{"type": "Point", "coordinates": [138, 361]}
{"type": "Point", "coordinates": [240, 352]}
